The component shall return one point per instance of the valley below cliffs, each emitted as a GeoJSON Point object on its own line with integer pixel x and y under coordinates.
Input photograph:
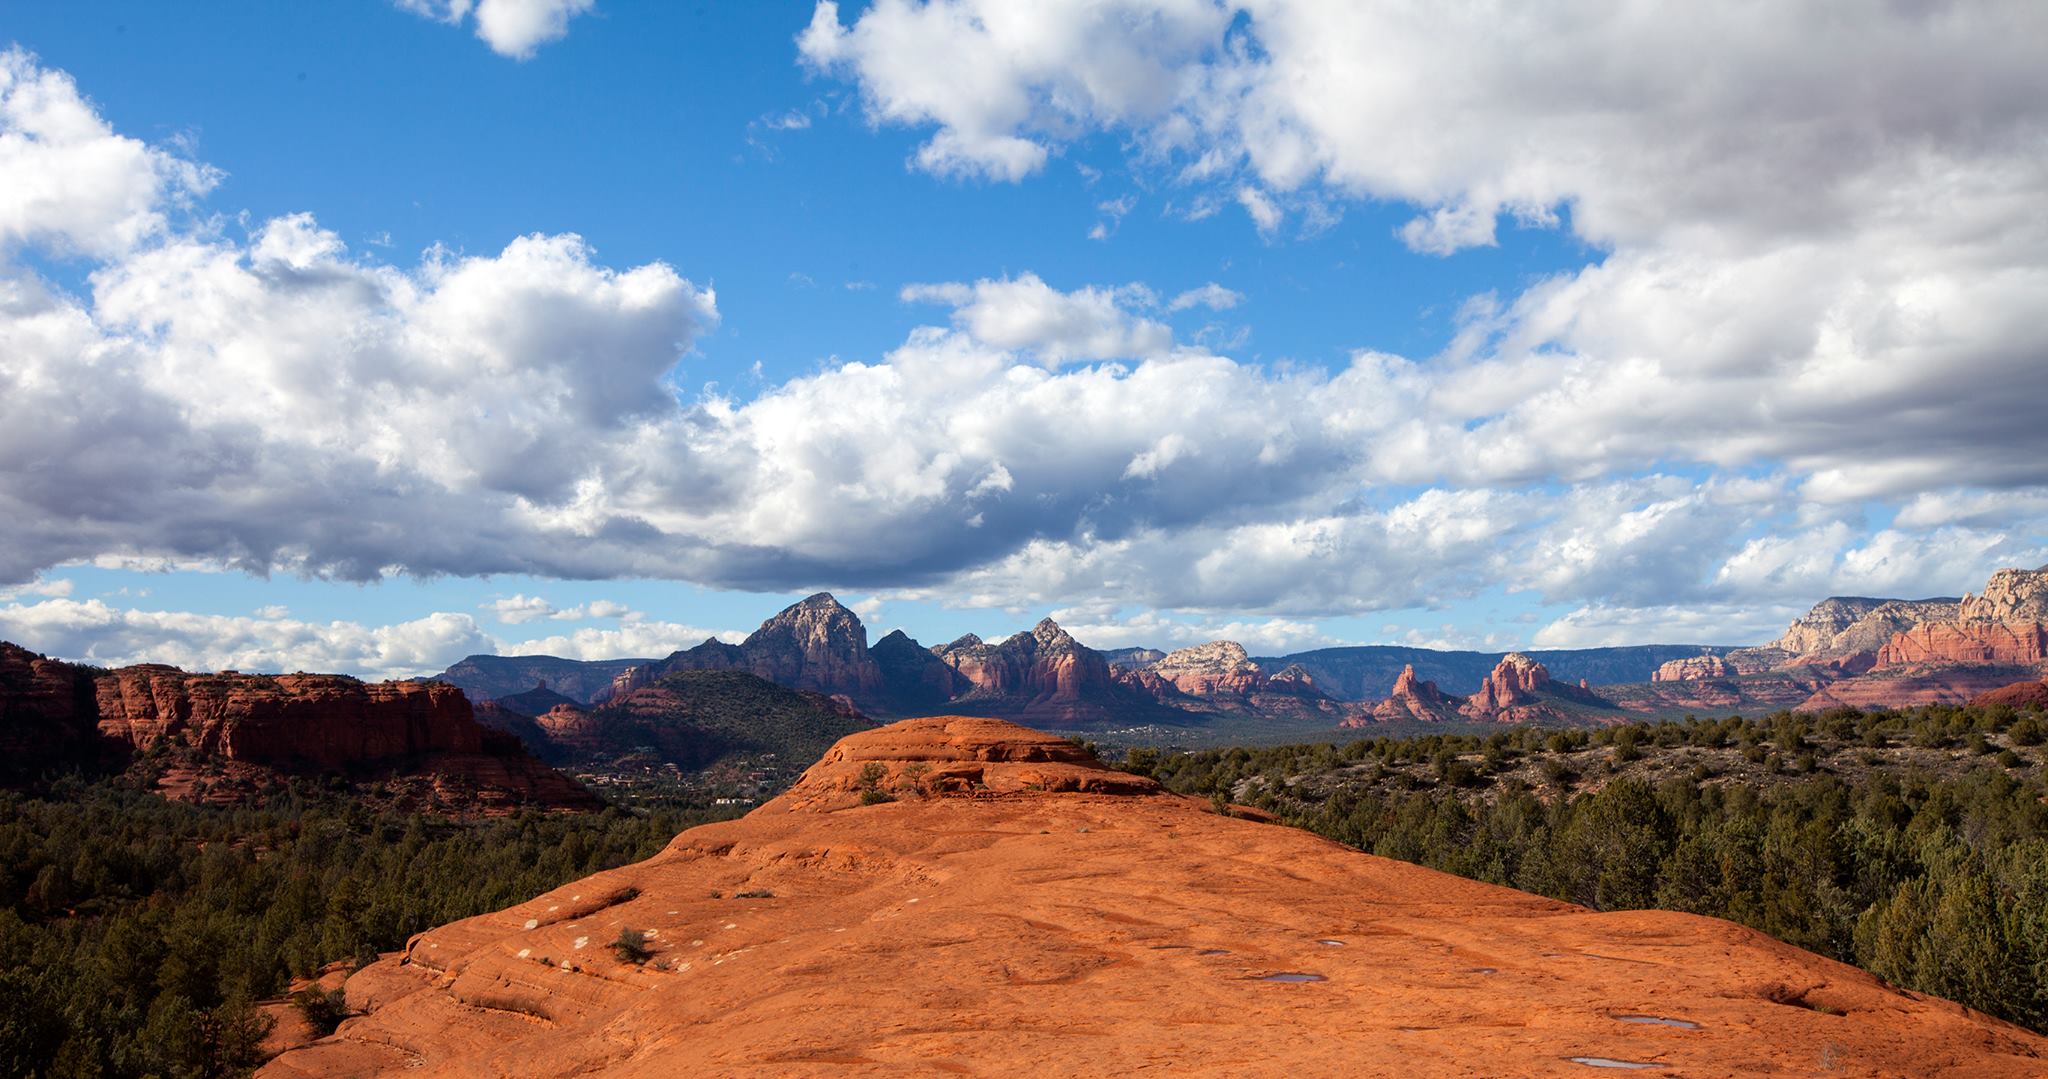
{"type": "Point", "coordinates": [965, 896]}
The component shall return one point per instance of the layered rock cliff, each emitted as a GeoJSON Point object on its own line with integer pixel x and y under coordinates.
{"type": "Point", "coordinates": [49, 719]}
{"type": "Point", "coordinates": [2006, 625]}
{"type": "Point", "coordinates": [1044, 676]}
{"type": "Point", "coordinates": [1207, 670]}
{"type": "Point", "coordinates": [958, 896]}
{"type": "Point", "coordinates": [1846, 625]}
{"type": "Point", "coordinates": [249, 728]}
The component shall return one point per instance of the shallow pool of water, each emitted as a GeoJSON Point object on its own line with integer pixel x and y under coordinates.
{"type": "Point", "coordinates": [1293, 976]}
{"type": "Point", "coordinates": [1608, 1062]}
{"type": "Point", "coordinates": [1658, 1020]}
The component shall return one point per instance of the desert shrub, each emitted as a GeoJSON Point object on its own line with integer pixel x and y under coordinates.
{"type": "Point", "coordinates": [630, 946]}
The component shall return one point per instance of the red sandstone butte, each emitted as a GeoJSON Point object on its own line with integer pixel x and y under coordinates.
{"type": "Point", "coordinates": [1020, 910]}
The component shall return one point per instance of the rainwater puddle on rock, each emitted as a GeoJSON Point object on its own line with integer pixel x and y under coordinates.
{"type": "Point", "coordinates": [1609, 1062]}
{"type": "Point", "coordinates": [1484, 970]}
{"type": "Point", "coordinates": [1658, 1020]}
{"type": "Point", "coordinates": [1331, 943]}
{"type": "Point", "coordinates": [1293, 976]}
{"type": "Point", "coordinates": [1214, 951]}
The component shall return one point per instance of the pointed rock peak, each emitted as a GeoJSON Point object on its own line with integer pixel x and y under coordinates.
{"type": "Point", "coordinates": [895, 636]}
{"type": "Point", "coordinates": [965, 640]}
{"type": "Point", "coordinates": [821, 601]}
{"type": "Point", "coordinates": [1048, 633]}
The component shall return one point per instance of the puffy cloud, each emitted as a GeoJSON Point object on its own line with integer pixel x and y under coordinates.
{"type": "Point", "coordinates": [67, 181]}
{"type": "Point", "coordinates": [1790, 248]}
{"type": "Point", "coordinates": [273, 401]}
{"type": "Point", "coordinates": [1024, 313]}
{"type": "Point", "coordinates": [91, 631]}
{"type": "Point", "coordinates": [1107, 626]}
{"type": "Point", "coordinates": [1212, 296]}
{"type": "Point", "coordinates": [998, 79]}
{"type": "Point", "coordinates": [514, 28]}
{"type": "Point", "coordinates": [1603, 626]}
{"type": "Point", "coordinates": [520, 609]}
{"type": "Point", "coordinates": [635, 637]}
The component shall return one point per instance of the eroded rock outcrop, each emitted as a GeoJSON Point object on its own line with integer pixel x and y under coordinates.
{"type": "Point", "coordinates": [1206, 670]}
{"type": "Point", "coordinates": [2016, 695]}
{"type": "Point", "coordinates": [1846, 625]}
{"type": "Point", "coordinates": [1413, 700]}
{"type": "Point", "coordinates": [1018, 909]}
{"type": "Point", "coordinates": [1043, 677]}
{"type": "Point", "coordinates": [49, 720]}
{"type": "Point", "coordinates": [244, 730]}
{"type": "Point", "coordinates": [1733, 664]}
{"type": "Point", "coordinates": [1520, 690]}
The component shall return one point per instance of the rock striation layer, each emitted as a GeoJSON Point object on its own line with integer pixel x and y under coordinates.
{"type": "Point", "coordinates": [1019, 910]}
{"type": "Point", "coordinates": [1846, 625]}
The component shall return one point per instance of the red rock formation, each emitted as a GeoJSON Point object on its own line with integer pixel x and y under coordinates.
{"type": "Point", "coordinates": [1520, 690]}
{"type": "Point", "coordinates": [2016, 695]}
{"type": "Point", "coordinates": [1413, 700]}
{"type": "Point", "coordinates": [252, 728]}
{"type": "Point", "coordinates": [1044, 676]}
{"type": "Point", "coordinates": [1018, 910]}
{"type": "Point", "coordinates": [302, 722]}
{"type": "Point", "coordinates": [48, 721]}
{"type": "Point", "coordinates": [1974, 642]}
{"type": "Point", "coordinates": [1207, 670]}
{"type": "Point", "coordinates": [1907, 687]}
{"type": "Point", "coordinates": [1846, 625]}
{"type": "Point", "coordinates": [1734, 664]}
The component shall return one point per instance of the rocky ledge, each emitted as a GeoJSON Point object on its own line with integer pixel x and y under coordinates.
{"type": "Point", "coordinates": [1032, 925]}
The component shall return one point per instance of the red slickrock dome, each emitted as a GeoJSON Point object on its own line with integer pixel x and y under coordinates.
{"type": "Point", "coordinates": [1020, 910]}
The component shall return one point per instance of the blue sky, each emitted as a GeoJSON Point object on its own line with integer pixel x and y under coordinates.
{"type": "Point", "coordinates": [1491, 374]}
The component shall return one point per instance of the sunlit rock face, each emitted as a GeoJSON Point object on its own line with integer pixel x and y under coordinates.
{"type": "Point", "coordinates": [947, 895]}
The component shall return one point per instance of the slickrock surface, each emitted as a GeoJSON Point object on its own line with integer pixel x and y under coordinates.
{"type": "Point", "coordinates": [1034, 914]}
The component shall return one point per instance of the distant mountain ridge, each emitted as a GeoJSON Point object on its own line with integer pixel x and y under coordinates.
{"type": "Point", "coordinates": [1848, 650]}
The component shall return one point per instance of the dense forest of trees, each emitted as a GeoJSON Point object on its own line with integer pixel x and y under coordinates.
{"type": "Point", "coordinates": [1912, 844]}
{"type": "Point", "coordinates": [136, 933]}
